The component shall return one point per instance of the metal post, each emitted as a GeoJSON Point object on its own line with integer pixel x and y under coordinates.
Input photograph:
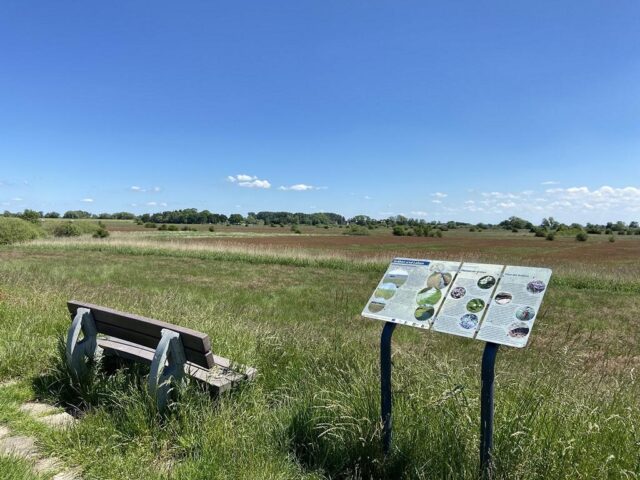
{"type": "Point", "coordinates": [486, 409]}
{"type": "Point", "coordinates": [385, 384]}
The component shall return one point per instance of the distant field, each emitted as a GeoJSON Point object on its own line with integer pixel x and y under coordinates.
{"type": "Point", "coordinates": [567, 406]}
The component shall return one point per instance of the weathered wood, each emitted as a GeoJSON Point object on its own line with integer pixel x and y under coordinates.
{"type": "Point", "coordinates": [219, 378]}
{"type": "Point", "coordinates": [146, 331]}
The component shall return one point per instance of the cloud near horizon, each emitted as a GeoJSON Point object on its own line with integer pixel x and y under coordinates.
{"type": "Point", "coordinates": [301, 187]}
{"type": "Point", "coordinates": [248, 181]}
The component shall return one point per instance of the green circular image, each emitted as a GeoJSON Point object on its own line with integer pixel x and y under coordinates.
{"type": "Point", "coordinates": [424, 313]}
{"type": "Point", "coordinates": [386, 290]}
{"type": "Point", "coordinates": [428, 296]}
{"type": "Point", "coordinates": [475, 305]}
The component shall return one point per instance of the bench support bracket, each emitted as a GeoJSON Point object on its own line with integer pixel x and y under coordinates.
{"type": "Point", "coordinates": [167, 367]}
{"type": "Point", "coordinates": [80, 352]}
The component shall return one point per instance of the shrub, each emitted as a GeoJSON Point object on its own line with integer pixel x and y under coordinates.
{"type": "Point", "coordinates": [212, 228]}
{"type": "Point", "coordinates": [551, 236]}
{"type": "Point", "coordinates": [612, 238]}
{"type": "Point", "coordinates": [582, 237]}
{"type": "Point", "coordinates": [399, 231]}
{"type": "Point", "coordinates": [326, 227]}
{"type": "Point", "coordinates": [540, 232]}
{"type": "Point", "coordinates": [101, 232]}
{"type": "Point", "coordinates": [67, 229]}
{"type": "Point", "coordinates": [14, 230]}
{"type": "Point", "coordinates": [472, 229]}
{"type": "Point", "coordinates": [438, 233]}
{"type": "Point", "coordinates": [172, 228]}
{"type": "Point", "coordinates": [514, 230]}
{"type": "Point", "coordinates": [162, 226]}
{"type": "Point", "coordinates": [150, 225]}
{"type": "Point", "coordinates": [356, 230]}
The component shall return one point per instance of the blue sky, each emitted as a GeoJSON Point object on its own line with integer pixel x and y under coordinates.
{"type": "Point", "coordinates": [440, 110]}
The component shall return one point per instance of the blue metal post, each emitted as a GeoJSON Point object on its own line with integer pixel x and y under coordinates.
{"type": "Point", "coordinates": [385, 384]}
{"type": "Point", "coordinates": [486, 409]}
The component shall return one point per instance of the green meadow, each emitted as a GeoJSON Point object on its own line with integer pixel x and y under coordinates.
{"type": "Point", "coordinates": [567, 406]}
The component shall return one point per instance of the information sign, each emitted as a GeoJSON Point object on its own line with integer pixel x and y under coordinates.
{"type": "Point", "coordinates": [493, 303]}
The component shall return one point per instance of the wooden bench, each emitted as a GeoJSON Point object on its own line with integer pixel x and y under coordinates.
{"type": "Point", "coordinates": [172, 351]}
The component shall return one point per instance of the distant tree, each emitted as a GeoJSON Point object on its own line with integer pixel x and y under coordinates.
{"type": "Point", "coordinates": [550, 223]}
{"type": "Point", "coordinates": [633, 225]}
{"type": "Point", "coordinates": [31, 216]}
{"type": "Point", "coordinates": [236, 219]}
{"type": "Point", "coordinates": [76, 214]}
{"type": "Point", "coordinates": [52, 215]}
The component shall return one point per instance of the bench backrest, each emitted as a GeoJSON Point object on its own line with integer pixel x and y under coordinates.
{"type": "Point", "coordinates": [146, 331]}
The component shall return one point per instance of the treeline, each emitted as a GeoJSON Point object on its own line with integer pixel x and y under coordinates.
{"type": "Point", "coordinates": [550, 225]}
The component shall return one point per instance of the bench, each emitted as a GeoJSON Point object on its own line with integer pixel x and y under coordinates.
{"type": "Point", "coordinates": [172, 351]}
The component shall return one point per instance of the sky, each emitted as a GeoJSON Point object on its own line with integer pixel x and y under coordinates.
{"type": "Point", "coordinates": [460, 110]}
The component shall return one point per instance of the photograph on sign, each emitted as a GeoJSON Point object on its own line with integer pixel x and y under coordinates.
{"type": "Point", "coordinates": [515, 306]}
{"type": "Point", "coordinates": [468, 299]}
{"type": "Point", "coordinates": [411, 291]}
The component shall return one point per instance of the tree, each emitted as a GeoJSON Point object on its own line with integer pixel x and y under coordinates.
{"type": "Point", "coordinates": [550, 223]}
{"type": "Point", "coordinates": [52, 215]}
{"type": "Point", "coordinates": [31, 216]}
{"type": "Point", "coordinates": [236, 219]}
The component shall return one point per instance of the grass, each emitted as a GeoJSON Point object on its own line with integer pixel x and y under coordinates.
{"type": "Point", "coordinates": [566, 406]}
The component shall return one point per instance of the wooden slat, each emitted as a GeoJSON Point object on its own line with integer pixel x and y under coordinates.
{"type": "Point", "coordinates": [147, 331]}
{"type": "Point", "coordinates": [219, 377]}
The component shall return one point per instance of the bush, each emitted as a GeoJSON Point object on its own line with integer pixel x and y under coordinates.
{"type": "Point", "coordinates": [14, 230]}
{"type": "Point", "coordinates": [150, 225]}
{"type": "Point", "coordinates": [212, 228]}
{"type": "Point", "coordinates": [551, 236]}
{"type": "Point", "coordinates": [172, 228]}
{"type": "Point", "coordinates": [582, 237]}
{"type": "Point", "coordinates": [514, 230]}
{"type": "Point", "coordinates": [612, 238]}
{"type": "Point", "coordinates": [356, 230]}
{"type": "Point", "coordinates": [102, 232]}
{"type": "Point", "coordinates": [67, 229]}
{"type": "Point", "coordinates": [399, 231]}
{"type": "Point", "coordinates": [540, 232]}
{"type": "Point", "coordinates": [162, 226]}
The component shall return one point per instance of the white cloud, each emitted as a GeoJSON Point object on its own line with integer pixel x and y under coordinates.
{"type": "Point", "coordinates": [87, 200]}
{"type": "Point", "coordinates": [299, 187]}
{"type": "Point", "coordinates": [152, 204]}
{"type": "Point", "coordinates": [16, 199]}
{"type": "Point", "coordinates": [367, 197]}
{"type": "Point", "coordinates": [136, 188]}
{"type": "Point", "coordinates": [248, 181]}
{"type": "Point", "coordinates": [419, 213]}
{"type": "Point", "coordinates": [156, 189]}
{"type": "Point", "coordinates": [163, 204]}
{"type": "Point", "coordinates": [436, 201]}
{"type": "Point", "coordinates": [439, 195]}
{"type": "Point", "coordinates": [550, 182]}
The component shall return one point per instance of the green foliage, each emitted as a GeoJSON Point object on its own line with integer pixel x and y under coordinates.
{"type": "Point", "coordinates": [541, 232]}
{"type": "Point", "coordinates": [102, 232]}
{"type": "Point", "coordinates": [172, 228]}
{"type": "Point", "coordinates": [212, 228]}
{"type": "Point", "coordinates": [356, 230]}
{"type": "Point", "coordinates": [551, 236]}
{"type": "Point", "coordinates": [582, 237]}
{"type": "Point", "coordinates": [236, 219]}
{"type": "Point", "coordinates": [612, 239]}
{"type": "Point", "coordinates": [399, 231]}
{"type": "Point", "coordinates": [163, 226]}
{"type": "Point", "coordinates": [13, 230]}
{"type": "Point", "coordinates": [67, 229]}
{"type": "Point", "coordinates": [150, 225]}
{"type": "Point", "coordinates": [31, 216]}
{"type": "Point", "coordinates": [76, 214]}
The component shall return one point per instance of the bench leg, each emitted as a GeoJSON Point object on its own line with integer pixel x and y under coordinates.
{"type": "Point", "coordinates": [167, 367]}
{"type": "Point", "coordinates": [79, 352]}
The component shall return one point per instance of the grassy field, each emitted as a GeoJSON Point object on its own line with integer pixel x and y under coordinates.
{"type": "Point", "coordinates": [567, 406]}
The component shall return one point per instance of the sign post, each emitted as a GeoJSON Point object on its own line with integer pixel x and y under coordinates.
{"type": "Point", "coordinates": [385, 384]}
{"type": "Point", "coordinates": [486, 409]}
{"type": "Point", "coordinates": [493, 303]}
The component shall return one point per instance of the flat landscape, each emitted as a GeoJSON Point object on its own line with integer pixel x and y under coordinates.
{"type": "Point", "coordinates": [567, 406]}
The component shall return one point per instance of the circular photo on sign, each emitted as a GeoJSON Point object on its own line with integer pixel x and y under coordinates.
{"type": "Point", "coordinates": [424, 313]}
{"type": "Point", "coordinates": [525, 313]}
{"type": "Point", "coordinates": [503, 298]}
{"type": "Point", "coordinates": [386, 290]}
{"type": "Point", "coordinates": [437, 267]}
{"type": "Point", "coordinates": [476, 305]}
{"type": "Point", "coordinates": [439, 280]}
{"type": "Point", "coordinates": [428, 296]}
{"type": "Point", "coordinates": [518, 330]}
{"type": "Point", "coordinates": [397, 276]}
{"type": "Point", "coordinates": [377, 304]}
{"type": "Point", "coordinates": [487, 282]}
{"type": "Point", "coordinates": [469, 321]}
{"type": "Point", "coordinates": [536, 286]}
{"type": "Point", "coordinates": [458, 292]}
